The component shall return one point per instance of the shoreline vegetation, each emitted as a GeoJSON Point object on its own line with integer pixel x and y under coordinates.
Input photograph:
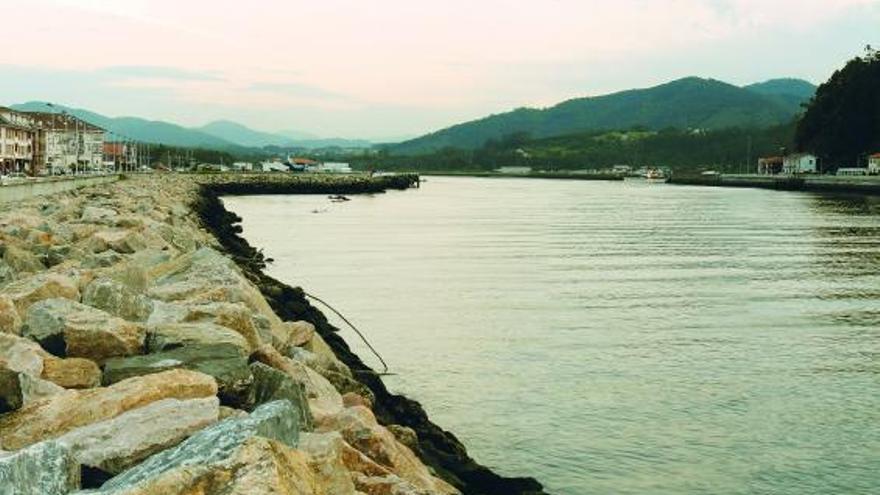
{"type": "Point", "coordinates": [144, 351]}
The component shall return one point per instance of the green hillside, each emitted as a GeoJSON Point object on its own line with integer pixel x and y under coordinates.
{"type": "Point", "coordinates": [690, 103]}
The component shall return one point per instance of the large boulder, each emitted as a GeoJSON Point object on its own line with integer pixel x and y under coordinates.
{"type": "Point", "coordinates": [359, 428]}
{"type": "Point", "coordinates": [22, 261]}
{"type": "Point", "coordinates": [192, 461]}
{"type": "Point", "coordinates": [27, 291]}
{"type": "Point", "coordinates": [7, 274]}
{"type": "Point", "coordinates": [294, 334]}
{"type": "Point", "coordinates": [62, 412]}
{"type": "Point", "coordinates": [235, 316]}
{"type": "Point", "coordinates": [119, 443]}
{"type": "Point", "coordinates": [21, 354]}
{"type": "Point", "coordinates": [98, 215]}
{"type": "Point", "coordinates": [271, 385]}
{"type": "Point", "coordinates": [67, 328]}
{"type": "Point", "coordinates": [20, 389]}
{"type": "Point", "coordinates": [168, 336]}
{"type": "Point", "coordinates": [124, 241]}
{"type": "Point", "coordinates": [71, 372]}
{"type": "Point", "coordinates": [206, 275]}
{"type": "Point", "coordinates": [226, 363]}
{"type": "Point", "coordinates": [46, 468]}
{"type": "Point", "coordinates": [326, 453]}
{"type": "Point", "coordinates": [324, 400]}
{"type": "Point", "coordinates": [118, 299]}
{"type": "Point", "coordinates": [10, 320]}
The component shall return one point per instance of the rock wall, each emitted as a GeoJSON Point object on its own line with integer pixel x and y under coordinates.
{"type": "Point", "coordinates": [143, 351]}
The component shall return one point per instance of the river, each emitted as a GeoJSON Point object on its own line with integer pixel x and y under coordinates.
{"type": "Point", "coordinates": [613, 337]}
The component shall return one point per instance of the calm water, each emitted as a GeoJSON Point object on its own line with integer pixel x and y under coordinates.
{"type": "Point", "coordinates": [614, 338]}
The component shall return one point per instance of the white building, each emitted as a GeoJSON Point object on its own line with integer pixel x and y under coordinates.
{"type": "Point", "coordinates": [514, 170]}
{"type": "Point", "coordinates": [851, 171]}
{"type": "Point", "coordinates": [242, 166]}
{"type": "Point", "coordinates": [335, 168]}
{"type": "Point", "coordinates": [874, 164]}
{"type": "Point", "coordinates": [800, 163]}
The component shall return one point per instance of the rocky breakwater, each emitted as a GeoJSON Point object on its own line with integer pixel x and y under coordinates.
{"type": "Point", "coordinates": [142, 351]}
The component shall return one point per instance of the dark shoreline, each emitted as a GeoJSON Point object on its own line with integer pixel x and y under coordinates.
{"type": "Point", "coordinates": [817, 184]}
{"type": "Point", "coordinates": [437, 448]}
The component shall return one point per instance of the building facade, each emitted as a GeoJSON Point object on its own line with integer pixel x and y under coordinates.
{"type": "Point", "coordinates": [874, 164]}
{"type": "Point", "coordinates": [800, 163]}
{"type": "Point", "coordinates": [17, 138]}
{"type": "Point", "coordinates": [770, 165]}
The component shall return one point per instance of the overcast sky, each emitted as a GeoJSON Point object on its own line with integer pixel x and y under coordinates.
{"type": "Point", "coordinates": [387, 68]}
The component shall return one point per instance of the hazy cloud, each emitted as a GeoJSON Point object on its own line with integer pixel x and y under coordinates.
{"type": "Point", "coordinates": [158, 72]}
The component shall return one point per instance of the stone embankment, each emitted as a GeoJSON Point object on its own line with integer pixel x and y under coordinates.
{"type": "Point", "coordinates": [143, 351]}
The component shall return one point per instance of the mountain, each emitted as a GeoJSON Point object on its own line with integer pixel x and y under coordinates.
{"type": "Point", "coordinates": [785, 87]}
{"type": "Point", "coordinates": [244, 136]}
{"type": "Point", "coordinates": [685, 103]}
{"type": "Point", "coordinates": [136, 128]}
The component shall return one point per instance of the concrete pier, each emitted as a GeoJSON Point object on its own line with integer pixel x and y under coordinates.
{"type": "Point", "coordinates": [40, 187]}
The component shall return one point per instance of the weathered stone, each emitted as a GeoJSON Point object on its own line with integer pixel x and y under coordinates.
{"type": "Point", "coordinates": [67, 328]}
{"type": "Point", "coordinates": [121, 241]}
{"type": "Point", "coordinates": [95, 214]}
{"type": "Point", "coordinates": [224, 362]}
{"type": "Point", "coordinates": [62, 412]}
{"type": "Point", "coordinates": [71, 372]}
{"type": "Point", "coordinates": [21, 354]}
{"type": "Point", "coordinates": [326, 358]}
{"type": "Point", "coordinates": [119, 443]}
{"type": "Point", "coordinates": [207, 276]}
{"type": "Point", "coordinates": [359, 428]}
{"type": "Point", "coordinates": [43, 469]}
{"type": "Point", "coordinates": [235, 316]}
{"type": "Point", "coordinates": [169, 336]}
{"type": "Point", "coordinates": [326, 451]}
{"type": "Point", "coordinates": [42, 286]}
{"type": "Point", "coordinates": [22, 261]}
{"type": "Point", "coordinates": [386, 485]}
{"type": "Point", "coordinates": [20, 389]}
{"type": "Point", "coordinates": [405, 435]}
{"type": "Point", "coordinates": [7, 274]}
{"type": "Point", "coordinates": [271, 385]}
{"type": "Point", "coordinates": [10, 320]}
{"type": "Point", "coordinates": [207, 448]}
{"type": "Point", "coordinates": [101, 260]}
{"type": "Point", "coordinates": [117, 299]}
{"type": "Point", "coordinates": [324, 399]}
{"type": "Point", "coordinates": [295, 334]}
{"type": "Point", "coordinates": [56, 255]}
{"type": "Point", "coordinates": [354, 399]}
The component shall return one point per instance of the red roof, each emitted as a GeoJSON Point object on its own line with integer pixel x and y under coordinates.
{"type": "Point", "coordinates": [304, 161]}
{"type": "Point", "coordinates": [875, 155]}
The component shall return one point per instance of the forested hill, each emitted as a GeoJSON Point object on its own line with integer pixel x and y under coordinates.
{"type": "Point", "coordinates": [690, 103]}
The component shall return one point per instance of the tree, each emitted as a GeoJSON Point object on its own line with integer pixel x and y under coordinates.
{"type": "Point", "coordinates": [842, 122]}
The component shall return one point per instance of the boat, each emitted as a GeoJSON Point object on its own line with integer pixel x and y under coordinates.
{"type": "Point", "coordinates": [655, 175]}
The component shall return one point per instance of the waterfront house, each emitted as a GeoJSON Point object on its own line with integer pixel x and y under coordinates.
{"type": "Point", "coordinates": [17, 135]}
{"type": "Point", "coordinates": [120, 155]}
{"type": "Point", "coordinates": [770, 165]}
{"type": "Point", "coordinates": [800, 163]}
{"type": "Point", "coordinates": [874, 164]}
{"type": "Point", "coordinates": [63, 142]}
{"type": "Point", "coordinates": [514, 170]}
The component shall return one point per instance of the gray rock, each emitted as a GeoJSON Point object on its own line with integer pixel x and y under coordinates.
{"type": "Point", "coordinates": [224, 362]}
{"type": "Point", "coordinates": [22, 261]}
{"type": "Point", "coordinates": [117, 299]}
{"type": "Point", "coordinates": [101, 260]}
{"type": "Point", "coordinates": [67, 328]}
{"type": "Point", "coordinates": [20, 389]}
{"type": "Point", "coordinates": [277, 420]}
{"type": "Point", "coordinates": [7, 274]}
{"type": "Point", "coordinates": [119, 443]}
{"type": "Point", "coordinates": [46, 468]}
{"type": "Point", "coordinates": [94, 214]}
{"type": "Point", "coordinates": [170, 336]}
{"type": "Point", "coordinates": [271, 385]}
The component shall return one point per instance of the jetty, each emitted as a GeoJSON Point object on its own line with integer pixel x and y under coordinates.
{"type": "Point", "coordinates": [144, 351]}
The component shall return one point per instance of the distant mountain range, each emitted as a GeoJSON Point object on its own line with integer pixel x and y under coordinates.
{"type": "Point", "coordinates": [685, 103]}
{"type": "Point", "coordinates": [221, 135]}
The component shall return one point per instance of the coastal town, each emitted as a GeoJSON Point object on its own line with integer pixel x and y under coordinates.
{"type": "Point", "coordinates": [35, 144]}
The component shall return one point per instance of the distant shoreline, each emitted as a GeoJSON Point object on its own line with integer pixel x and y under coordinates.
{"type": "Point", "coordinates": [807, 183]}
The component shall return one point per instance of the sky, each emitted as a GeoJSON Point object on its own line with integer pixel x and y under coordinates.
{"type": "Point", "coordinates": [386, 69]}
